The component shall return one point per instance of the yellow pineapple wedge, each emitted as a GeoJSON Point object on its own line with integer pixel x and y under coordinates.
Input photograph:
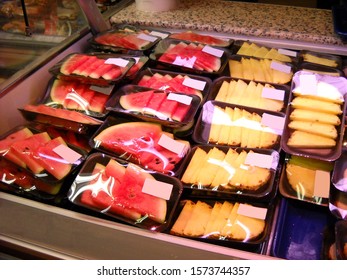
{"type": "Point", "coordinates": [208, 170]}
{"type": "Point", "coordinates": [236, 128]}
{"type": "Point", "coordinates": [198, 220]}
{"type": "Point", "coordinates": [226, 127]}
{"type": "Point", "coordinates": [231, 89]}
{"type": "Point", "coordinates": [316, 105]}
{"type": "Point", "coordinates": [316, 128]}
{"type": "Point", "coordinates": [218, 118]}
{"type": "Point", "coordinates": [226, 170]}
{"type": "Point", "coordinates": [236, 180]}
{"type": "Point", "coordinates": [235, 69]}
{"type": "Point", "coordinates": [247, 72]}
{"type": "Point", "coordinates": [261, 52]}
{"type": "Point", "coordinates": [243, 50]}
{"type": "Point", "coordinates": [194, 166]}
{"type": "Point", "coordinates": [238, 92]}
{"type": "Point", "coordinates": [209, 230]}
{"type": "Point", "coordinates": [255, 134]}
{"type": "Point", "coordinates": [247, 127]}
{"type": "Point", "coordinates": [271, 54]}
{"type": "Point", "coordinates": [268, 138]}
{"type": "Point", "coordinates": [305, 140]}
{"type": "Point", "coordinates": [225, 232]}
{"type": "Point", "coordinates": [272, 104]}
{"type": "Point", "coordinates": [222, 218]}
{"type": "Point", "coordinates": [265, 66]}
{"type": "Point", "coordinates": [183, 218]}
{"type": "Point", "coordinates": [314, 116]}
{"type": "Point", "coordinates": [223, 92]}
{"type": "Point", "coordinates": [319, 60]}
{"type": "Point", "coordinates": [246, 228]}
{"type": "Point", "coordinates": [258, 74]}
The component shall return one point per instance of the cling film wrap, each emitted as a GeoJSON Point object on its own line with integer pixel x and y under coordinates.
{"type": "Point", "coordinates": [238, 126]}
{"type": "Point", "coordinates": [221, 171]}
{"type": "Point", "coordinates": [126, 191]}
{"type": "Point", "coordinates": [306, 179]}
{"type": "Point", "coordinates": [49, 159]}
{"type": "Point", "coordinates": [93, 68]}
{"type": "Point", "coordinates": [193, 57]}
{"type": "Point", "coordinates": [143, 143]}
{"type": "Point", "coordinates": [167, 108]}
{"type": "Point", "coordinates": [222, 220]}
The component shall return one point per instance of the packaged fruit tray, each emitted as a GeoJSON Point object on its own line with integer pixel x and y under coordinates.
{"type": "Point", "coordinates": [264, 96]}
{"type": "Point", "coordinates": [320, 69]}
{"type": "Point", "coordinates": [190, 57]}
{"type": "Point", "coordinates": [195, 37]}
{"type": "Point", "coordinates": [93, 68]}
{"type": "Point", "coordinates": [321, 59]}
{"type": "Point", "coordinates": [175, 82]}
{"type": "Point", "coordinates": [221, 172]}
{"type": "Point", "coordinates": [167, 108]}
{"type": "Point", "coordinates": [224, 222]}
{"type": "Point", "coordinates": [126, 192]}
{"type": "Point", "coordinates": [260, 69]}
{"type": "Point", "coordinates": [48, 159]}
{"type": "Point", "coordinates": [125, 38]}
{"type": "Point", "coordinates": [307, 180]}
{"type": "Point", "coordinates": [251, 49]}
{"type": "Point", "coordinates": [315, 119]}
{"type": "Point", "coordinates": [298, 231]}
{"type": "Point", "coordinates": [147, 144]}
{"type": "Point", "coordinates": [231, 125]}
{"type": "Point", "coordinates": [60, 118]}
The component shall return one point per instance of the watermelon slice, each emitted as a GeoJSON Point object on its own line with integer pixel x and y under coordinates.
{"type": "Point", "coordinates": [112, 74]}
{"type": "Point", "coordinates": [25, 150]}
{"type": "Point", "coordinates": [89, 61]}
{"type": "Point", "coordinates": [200, 38]}
{"type": "Point", "coordinates": [130, 195]}
{"type": "Point", "coordinates": [152, 107]}
{"type": "Point", "coordinates": [144, 81]}
{"type": "Point", "coordinates": [51, 161]}
{"type": "Point", "coordinates": [97, 104]}
{"type": "Point", "coordinates": [136, 101]}
{"type": "Point", "coordinates": [72, 62]}
{"type": "Point", "coordinates": [167, 107]}
{"type": "Point", "coordinates": [6, 143]}
{"type": "Point", "coordinates": [100, 71]}
{"type": "Point", "coordinates": [180, 113]}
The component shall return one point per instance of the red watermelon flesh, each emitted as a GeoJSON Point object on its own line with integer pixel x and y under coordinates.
{"type": "Point", "coordinates": [87, 97]}
{"type": "Point", "coordinates": [130, 195]}
{"type": "Point", "coordinates": [97, 104]}
{"type": "Point", "coordinates": [51, 161]}
{"type": "Point", "coordinates": [154, 103]}
{"type": "Point", "coordinates": [136, 101]}
{"type": "Point", "coordinates": [199, 38]}
{"type": "Point", "coordinates": [144, 81]}
{"type": "Point", "coordinates": [90, 60]}
{"type": "Point", "coordinates": [25, 150]}
{"type": "Point", "coordinates": [114, 73]}
{"type": "Point", "coordinates": [181, 111]}
{"type": "Point", "coordinates": [161, 83]}
{"type": "Point", "coordinates": [103, 69]}
{"type": "Point", "coordinates": [73, 99]}
{"type": "Point", "coordinates": [5, 145]}
{"type": "Point", "coordinates": [167, 107]}
{"type": "Point", "coordinates": [170, 55]}
{"type": "Point", "coordinates": [60, 89]}
{"type": "Point", "coordinates": [92, 67]}
{"type": "Point", "coordinates": [132, 41]}
{"type": "Point", "coordinates": [72, 62]}
{"type": "Point", "coordinates": [135, 68]}
{"type": "Point", "coordinates": [209, 61]}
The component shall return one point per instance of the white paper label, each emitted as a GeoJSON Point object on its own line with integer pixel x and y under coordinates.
{"type": "Point", "coordinates": [272, 93]}
{"type": "Point", "coordinates": [174, 146]}
{"type": "Point", "coordinates": [252, 211]}
{"type": "Point", "coordinates": [186, 62]}
{"type": "Point", "coordinates": [308, 84]}
{"type": "Point", "coordinates": [213, 51]}
{"type": "Point", "coordinates": [157, 188]}
{"type": "Point", "coordinates": [67, 154]}
{"type": "Point", "coordinates": [104, 90]}
{"type": "Point", "coordinates": [287, 52]}
{"type": "Point", "coordinates": [322, 184]}
{"type": "Point", "coordinates": [280, 67]}
{"type": "Point", "coordinates": [181, 98]}
{"type": "Point", "coordinates": [147, 37]}
{"type": "Point", "coordinates": [159, 34]}
{"type": "Point", "coordinates": [274, 122]}
{"type": "Point", "coordinates": [260, 160]}
{"type": "Point", "coordinates": [117, 61]}
{"type": "Point", "coordinates": [194, 83]}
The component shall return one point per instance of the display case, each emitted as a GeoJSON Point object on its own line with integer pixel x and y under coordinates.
{"type": "Point", "coordinates": [57, 229]}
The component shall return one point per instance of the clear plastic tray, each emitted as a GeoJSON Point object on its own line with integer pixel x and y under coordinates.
{"type": "Point", "coordinates": [167, 108]}
{"type": "Point", "coordinates": [318, 58]}
{"type": "Point", "coordinates": [215, 126]}
{"type": "Point", "coordinates": [190, 57]}
{"type": "Point", "coordinates": [93, 68]}
{"type": "Point", "coordinates": [222, 172]}
{"type": "Point", "coordinates": [126, 192]}
{"type": "Point", "coordinates": [147, 144]}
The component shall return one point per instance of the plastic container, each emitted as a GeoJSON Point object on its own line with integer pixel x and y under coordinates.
{"type": "Point", "coordinates": [320, 69]}
{"type": "Point", "coordinates": [167, 108]}
{"type": "Point", "coordinates": [263, 96]}
{"type": "Point", "coordinates": [126, 192]}
{"type": "Point", "coordinates": [147, 144]}
{"type": "Point", "coordinates": [189, 57]}
{"type": "Point", "coordinates": [306, 179]}
{"type": "Point", "coordinates": [260, 69]}
{"type": "Point", "coordinates": [195, 37]}
{"type": "Point", "coordinates": [298, 232]}
{"type": "Point", "coordinates": [92, 68]}
{"type": "Point", "coordinates": [219, 222]}
{"type": "Point", "coordinates": [222, 172]}
{"type": "Point", "coordinates": [175, 82]}
{"type": "Point", "coordinates": [36, 153]}
{"type": "Point", "coordinates": [220, 123]}
{"type": "Point", "coordinates": [318, 58]}
{"type": "Point", "coordinates": [324, 88]}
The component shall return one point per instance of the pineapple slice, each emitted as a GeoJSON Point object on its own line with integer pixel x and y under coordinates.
{"type": "Point", "coordinates": [322, 129]}
{"type": "Point", "coordinates": [272, 104]}
{"type": "Point", "coordinates": [208, 170]}
{"type": "Point", "coordinates": [226, 127]}
{"type": "Point", "coordinates": [183, 218]}
{"type": "Point", "coordinates": [216, 124]}
{"type": "Point", "coordinates": [255, 134]}
{"type": "Point", "coordinates": [236, 180]}
{"type": "Point", "coordinates": [314, 116]}
{"type": "Point", "coordinates": [198, 220]}
{"type": "Point", "coordinates": [247, 72]}
{"type": "Point", "coordinates": [222, 218]}
{"type": "Point", "coordinates": [258, 74]}
{"type": "Point", "coordinates": [243, 50]}
{"type": "Point", "coordinates": [301, 179]}
{"type": "Point", "coordinates": [225, 233]}
{"type": "Point", "coordinates": [271, 54]}
{"type": "Point", "coordinates": [238, 92]}
{"type": "Point", "coordinates": [194, 166]}
{"type": "Point", "coordinates": [316, 105]}
{"type": "Point", "coordinates": [235, 69]}
{"type": "Point", "coordinates": [209, 230]}
{"type": "Point", "coordinates": [248, 96]}
{"type": "Point", "coordinates": [226, 170]}
{"type": "Point", "coordinates": [236, 128]}
{"type": "Point", "coordinates": [223, 92]}
{"type": "Point", "coordinates": [231, 90]}
{"type": "Point", "coordinates": [247, 125]}
{"type": "Point", "coordinates": [261, 52]}
{"type": "Point", "coordinates": [319, 60]}
{"type": "Point", "coordinates": [301, 139]}
{"type": "Point", "coordinates": [266, 70]}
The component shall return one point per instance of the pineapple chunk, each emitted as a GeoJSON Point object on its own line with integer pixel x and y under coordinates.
{"type": "Point", "coordinates": [322, 129]}
{"type": "Point", "coordinates": [236, 128]}
{"type": "Point", "coordinates": [238, 92]}
{"type": "Point", "coordinates": [226, 127]}
{"type": "Point", "coordinates": [314, 116]}
{"type": "Point", "coordinates": [198, 220]}
{"type": "Point", "coordinates": [183, 218]}
{"type": "Point", "coordinates": [301, 139]}
{"type": "Point", "coordinates": [316, 105]}
{"type": "Point", "coordinates": [258, 74]}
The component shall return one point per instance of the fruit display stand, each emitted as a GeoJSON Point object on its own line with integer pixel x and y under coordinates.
{"type": "Point", "coordinates": [47, 231]}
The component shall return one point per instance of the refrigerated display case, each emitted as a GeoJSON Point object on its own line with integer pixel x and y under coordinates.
{"type": "Point", "coordinates": [59, 230]}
